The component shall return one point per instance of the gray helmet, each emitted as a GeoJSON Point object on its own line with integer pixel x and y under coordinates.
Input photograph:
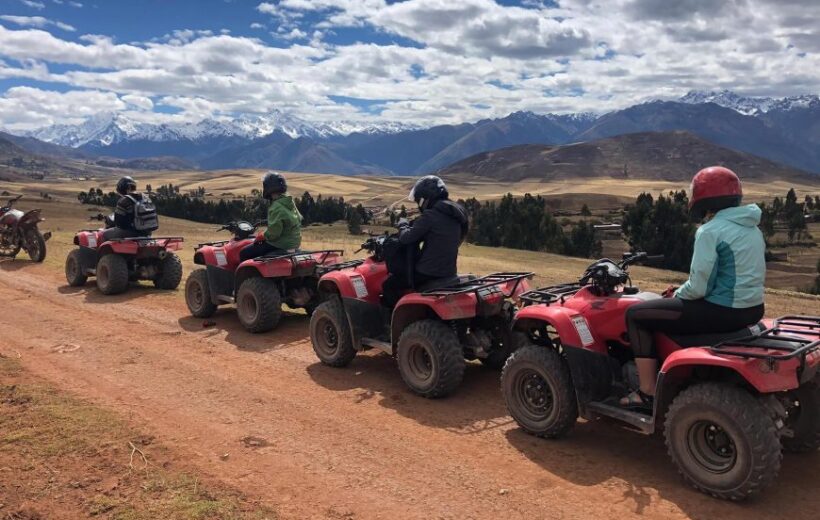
{"type": "Point", "coordinates": [273, 183]}
{"type": "Point", "coordinates": [428, 190]}
{"type": "Point", "coordinates": [125, 183]}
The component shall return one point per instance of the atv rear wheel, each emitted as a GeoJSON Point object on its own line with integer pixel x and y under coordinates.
{"type": "Point", "coordinates": [112, 274]}
{"type": "Point", "coordinates": [35, 245]}
{"type": "Point", "coordinates": [538, 391]}
{"type": "Point", "coordinates": [804, 419]}
{"type": "Point", "coordinates": [74, 274]}
{"type": "Point", "coordinates": [198, 295]}
{"type": "Point", "coordinates": [330, 334]}
{"type": "Point", "coordinates": [258, 304]}
{"type": "Point", "coordinates": [723, 441]}
{"type": "Point", "coordinates": [170, 273]}
{"type": "Point", "coordinates": [431, 359]}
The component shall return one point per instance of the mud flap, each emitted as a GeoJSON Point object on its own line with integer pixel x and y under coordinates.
{"type": "Point", "coordinates": [365, 320]}
{"type": "Point", "coordinates": [591, 374]}
{"type": "Point", "coordinates": [220, 282]}
{"type": "Point", "coordinates": [88, 260]}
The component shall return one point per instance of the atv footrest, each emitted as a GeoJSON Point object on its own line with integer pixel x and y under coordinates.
{"type": "Point", "coordinates": [641, 421]}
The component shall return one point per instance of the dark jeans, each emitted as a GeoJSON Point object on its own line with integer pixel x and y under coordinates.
{"type": "Point", "coordinates": [678, 316]}
{"type": "Point", "coordinates": [258, 249]}
{"type": "Point", "coordinates": [395, 285]}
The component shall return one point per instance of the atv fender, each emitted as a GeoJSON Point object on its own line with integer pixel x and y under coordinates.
{"type": "Point", "coordinates": [120, 247]}
{"type": "Point", "coordinates": [560, 318]}
{"type": "Point", "coordinates": [765, 378]}
{"type": "Point", "coordinates": [90, 239]}
{"type": "Point", "coordinates": [277, 268]}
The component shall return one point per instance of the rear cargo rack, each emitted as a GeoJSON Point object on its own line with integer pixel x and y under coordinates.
{"type": "Point", "coordinates": [327, 253]}
{"type": "Point", "coordinates": [484, 282]}
{"type": "Point", "coordinates": [324, 269]}
{"type": "Point", "coordinates": [550, 294]}
{"type": "Point", "coordinates": [146, 239]}
{"type": "Point", "coordinates": [783, 330]}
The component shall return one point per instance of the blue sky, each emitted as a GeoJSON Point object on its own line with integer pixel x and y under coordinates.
{"type": "Point", "coordinates": [416, 61]}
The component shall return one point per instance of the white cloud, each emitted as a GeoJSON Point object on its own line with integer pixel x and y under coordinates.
{"type": "Point", "coordinates": [34, 4]}
{"type": "Point", "coordinates": [36, 21]}
{"type": "Point", "coordinates": [467, 60]}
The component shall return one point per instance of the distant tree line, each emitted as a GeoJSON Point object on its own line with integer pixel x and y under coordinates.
{"type": "Point", "coordinates": [192, 205]}
{"type": "Point", "coordinates": [790, 215]}
{"type": "Point", "coordinates": [661, 227]}
{"type": "Point", "coordinates": [528, 223]}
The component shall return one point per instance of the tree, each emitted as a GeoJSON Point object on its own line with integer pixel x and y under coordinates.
{"type": "Point", "coordinates": [354, 222]}
{"type": "Point", "coordinates": [661, 227]}
{"type": "Point", "coordinates": [585, 211]}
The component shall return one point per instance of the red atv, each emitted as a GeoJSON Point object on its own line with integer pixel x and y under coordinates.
{"type": "Point", "coordinates": [18, 230]}
{"type": "Point", "coordinates": [259, 286]}
{"type": "Point", "coordinates": [119, 261]}
{"type": "Point", "coordinates": [431, 331]}
{"type": "Point", "coordinates": [728, 404]}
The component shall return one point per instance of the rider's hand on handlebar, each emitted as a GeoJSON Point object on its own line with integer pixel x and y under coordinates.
{"type": "Point", "coordinates": [670, 291]}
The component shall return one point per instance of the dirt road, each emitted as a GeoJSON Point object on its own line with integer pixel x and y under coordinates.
{"type": "Point", "coordinates": [342, 443]}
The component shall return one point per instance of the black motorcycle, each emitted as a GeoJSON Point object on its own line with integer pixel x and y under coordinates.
{"type": "Point", "coordinates": [18, 230]}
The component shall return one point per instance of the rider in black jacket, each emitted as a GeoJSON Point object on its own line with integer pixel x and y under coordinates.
{"type": "Point", "coordinates": [124, 211]}
{"type": "Point", "coordinates": [440, 230]}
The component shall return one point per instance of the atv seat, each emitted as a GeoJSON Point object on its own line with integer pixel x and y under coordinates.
{"type": "Point", "coordinates": [445, 282]}
{"type": "Point", "coordinates": [707, 340]}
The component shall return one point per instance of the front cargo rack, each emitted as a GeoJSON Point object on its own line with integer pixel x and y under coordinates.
{"type": "Point", "coordinates": [324, 269]}
{"type": "Point", "coordinates": [780, 342]}
{"type": "Point", "coordinates": [550, 294]}
{"type": "Point", "coordinates": [477, 284]}
{"type": "Point", "coordinates": [326, 253]}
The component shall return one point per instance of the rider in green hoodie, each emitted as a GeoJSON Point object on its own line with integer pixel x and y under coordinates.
{"type": "Point", "coordinates": [724, 291]}
{"type": "Point", "coordinates": [284, 233]}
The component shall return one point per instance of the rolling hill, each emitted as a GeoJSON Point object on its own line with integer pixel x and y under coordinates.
{"type": "Point", "coordinates": [668, 156]}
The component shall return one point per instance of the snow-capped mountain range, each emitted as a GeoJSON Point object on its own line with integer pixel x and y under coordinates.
{"type": "Point", "coordinates": [750, 106]}
{"type": "Point", "coordinates": [106, 129]}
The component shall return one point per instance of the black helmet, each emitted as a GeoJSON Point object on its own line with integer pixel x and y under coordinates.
{"type": "Point", "coordinates": [428, 190]}
{"type": "Point", "coordinates": [273, 182]}
{"type": "Point", "coordinates": [125, 183]}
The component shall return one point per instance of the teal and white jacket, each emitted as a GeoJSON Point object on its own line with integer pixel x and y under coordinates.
{"type": "Point", "coordinates": [729, 264]}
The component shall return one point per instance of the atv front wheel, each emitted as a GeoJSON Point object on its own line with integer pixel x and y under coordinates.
{"type": "Point", "coordinates": [35, 246]}
{"type": "Point", "coordinates": [431, 359]}
{"type": "Point", "coordinates": [258, 304]}
{"type": "Point", "coordinates": [804, 419]}
{"type": "Point", "coordinates": [538, 391]}
{"type": "Point", "coordinates": [723, 441]}
{"type": "Point", "coordinates": [112, 274]}
{"type": "Point", "coordinates": [330, 334]}
{"type": "Point", "coordinates": [74, 274]}
{"type": "Point", "coordinates": [170, 273]}
{"type": "Point", "coordinates": [198, 295]}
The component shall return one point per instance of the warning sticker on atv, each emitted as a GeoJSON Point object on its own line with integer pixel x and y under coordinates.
{"type": "Point", "coordinates": [92, 241]}
{"type": "Point", "coordinates": [220, 257]}
{"type": "Point", "coordinates": [583, 330]}
{"type": "Point", "coordinates": [359, 286]}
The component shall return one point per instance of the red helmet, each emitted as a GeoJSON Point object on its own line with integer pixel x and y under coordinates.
{"type": "Point", "coordinates": [713, 189]}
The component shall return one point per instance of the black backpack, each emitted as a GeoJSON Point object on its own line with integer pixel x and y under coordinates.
{"type": "Point", "coordinates": [145, 214]}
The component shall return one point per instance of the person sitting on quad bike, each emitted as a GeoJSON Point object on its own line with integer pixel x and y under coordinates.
{"type": "Point", "coordinates": [135, 214]}
{"type": "Point", "coordinates": [440, 230]}
{"type": "Point", "coordinates": [724, 291]}
{"type": "Point", "coordinates": [284, 233]}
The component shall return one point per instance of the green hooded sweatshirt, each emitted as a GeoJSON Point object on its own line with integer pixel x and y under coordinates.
{"type": "Point", "coordinates": [284, 224]}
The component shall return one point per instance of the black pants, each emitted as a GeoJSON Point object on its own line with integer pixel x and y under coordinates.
{"type": "Point", "coordinates": [678, 316]}
{"type": "Point", "coordinates": [395, 285]}
{"type": "Point", "coordinates": [258, 249]}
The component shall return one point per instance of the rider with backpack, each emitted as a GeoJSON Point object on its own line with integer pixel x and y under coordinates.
{"type": "Point", "coordinates": [435, 236]}
{"type": "Point", "coordinates": [724, 291]}
{"type": "Point", "coordinates": [135, 214]}
{"type": "Point", "coordinates": [284, 232]}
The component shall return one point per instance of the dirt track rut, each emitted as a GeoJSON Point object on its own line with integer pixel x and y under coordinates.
{"type": "Point", "coordinates": [342, 443]}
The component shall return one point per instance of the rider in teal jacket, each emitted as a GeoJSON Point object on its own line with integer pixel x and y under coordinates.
{"type": "Point", "coordinates": [724, 292]}
{"type": "Point", "coordinates": [728, 267]}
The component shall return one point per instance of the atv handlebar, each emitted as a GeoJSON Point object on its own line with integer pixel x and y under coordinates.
{"type": "Point", "coordinates": [639, 256]}
{"type": "Point", "coordinates": [10, 202]}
